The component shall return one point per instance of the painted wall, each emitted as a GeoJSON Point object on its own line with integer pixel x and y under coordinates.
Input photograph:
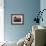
{"type": "Point", "coordinates": [43, 6]}
{"type": "Point", "coordinates": [26, 7]}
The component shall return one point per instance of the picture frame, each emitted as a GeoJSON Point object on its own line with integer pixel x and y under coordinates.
{"type": "Point", "coordinates": [17, 19]}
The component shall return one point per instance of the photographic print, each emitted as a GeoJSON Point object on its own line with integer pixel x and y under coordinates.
{"type": "Point", "coordinates": [17, 19]}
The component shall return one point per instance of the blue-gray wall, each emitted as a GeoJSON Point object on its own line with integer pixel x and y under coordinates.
{"type": "Point", "coordinates": [26, 7]}
{"type": "Point", "coordinates": [43, 6]}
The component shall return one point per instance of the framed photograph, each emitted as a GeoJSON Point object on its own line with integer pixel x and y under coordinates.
{"type": "Point", "coordinates": [17, 19]}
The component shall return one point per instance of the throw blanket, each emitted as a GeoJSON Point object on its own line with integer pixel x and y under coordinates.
{"type": "Point", "coordinates": [28, 39]}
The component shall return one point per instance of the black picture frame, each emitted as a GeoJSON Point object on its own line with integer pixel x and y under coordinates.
{"type": "Point", "coordinates": [17, 19]}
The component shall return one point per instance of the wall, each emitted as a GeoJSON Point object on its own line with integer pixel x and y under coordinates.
{"type": "Point", "coordinates": [26, 7]}
{"type": "Point", "coordinates": [43, 6]}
